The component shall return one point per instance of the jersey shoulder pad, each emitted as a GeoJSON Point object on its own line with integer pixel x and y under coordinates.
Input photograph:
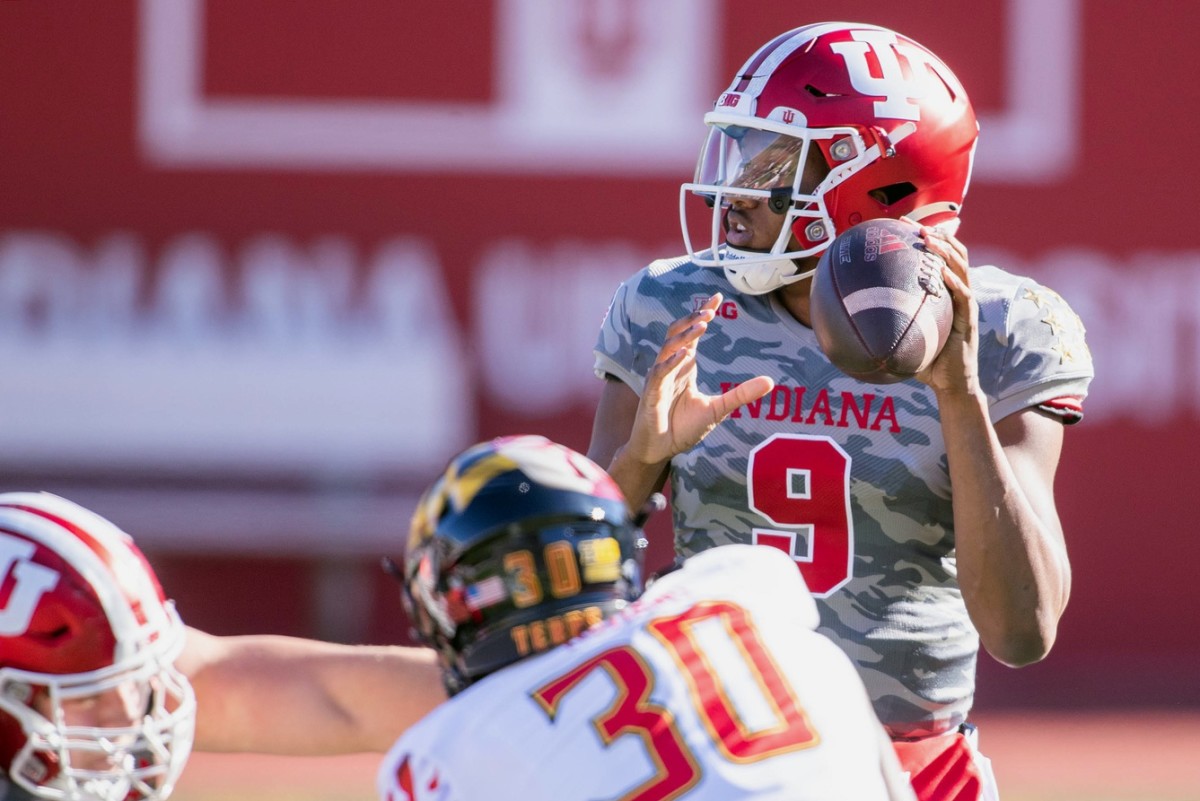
{"type": "Point", "coordinates": [1032, 346]}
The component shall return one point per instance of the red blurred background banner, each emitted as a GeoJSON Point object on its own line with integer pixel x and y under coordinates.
{"type": "Point", "coordinates": [265, 265]}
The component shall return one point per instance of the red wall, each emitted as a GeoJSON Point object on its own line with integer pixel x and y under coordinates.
{"type": "Point", "coordinates": [1113, 229]}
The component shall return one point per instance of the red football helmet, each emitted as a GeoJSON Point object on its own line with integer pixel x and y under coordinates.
{"type": "Point", "coordinates": [83, 621]}
{"type": "Point", "coordinates": [891, 123]}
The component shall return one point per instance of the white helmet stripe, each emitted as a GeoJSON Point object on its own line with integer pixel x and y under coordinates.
{"type": "Point", "coordinates": [755, 73]}
{"type": "Point", "coordinates": [41, 516]}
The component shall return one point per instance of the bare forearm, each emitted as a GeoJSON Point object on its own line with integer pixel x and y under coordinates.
{"type": "Point", "coordinates": [285, 695]}
{"type": "Point", "coordinates": [637, 480]}
{"type": "Point", "coordinates": [1012, 564]}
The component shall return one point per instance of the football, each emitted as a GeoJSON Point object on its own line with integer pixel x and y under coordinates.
{"type": "Point", "coordinates": [879, 306]}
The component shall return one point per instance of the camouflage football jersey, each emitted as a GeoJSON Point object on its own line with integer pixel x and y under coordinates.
{"type": "Point", "coordinates": [712, 686]}
{"type": "Point", "coordinates": [850, 478]}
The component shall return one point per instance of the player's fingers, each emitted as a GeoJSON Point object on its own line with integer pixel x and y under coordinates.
{"type": "Point", "coordinates": [684, 323]}
{"type": "Point", "coordinates": [953, 259]}
{"type": "Point", "coordinates": [745, 392]}
{"type": "Point", "coordinates": [958, 287]}
{"type": "Point", "coordinates": [682, 339]}
{"type": "Point", "coordinates": [963, 299]}
{"type": "Point", "coordinates": [947, 243]}
{"type": "Point", "coordinates": [671, 376]}
{"type": "Point", "coordinates": [705, 312]}
{"type": "Point", "coordinates": [684, 373]}
{"type": "Point", "coordinates": [663, 371]}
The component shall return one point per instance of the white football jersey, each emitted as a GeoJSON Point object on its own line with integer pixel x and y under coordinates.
{"type": "Point", "coordinates": [714, 685]}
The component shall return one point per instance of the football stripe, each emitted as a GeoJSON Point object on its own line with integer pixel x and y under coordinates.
{"type": "Point", "coordinates": [882, 297]}
{"type": "Point", "coordinates": [927, 325]}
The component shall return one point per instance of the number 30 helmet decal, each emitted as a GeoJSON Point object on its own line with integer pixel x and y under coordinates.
{"type": "Point", "coordinates": [520, 545]}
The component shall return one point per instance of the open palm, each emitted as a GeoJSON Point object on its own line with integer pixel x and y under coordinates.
{"type": "Point", "coordinates": [674, 414]}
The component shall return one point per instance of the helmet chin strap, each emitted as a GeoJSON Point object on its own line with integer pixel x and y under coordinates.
{"type": "Point", "coordinates": [760, 277]}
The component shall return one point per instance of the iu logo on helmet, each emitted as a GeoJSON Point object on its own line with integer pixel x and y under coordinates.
{"type": "Point", "coordinates": [897, 88]}
{"type": "Point", "coordinates": [29, 583]}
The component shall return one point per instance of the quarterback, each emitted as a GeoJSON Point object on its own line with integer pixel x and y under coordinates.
{"type": "Point", "coordinates": [920, 513]}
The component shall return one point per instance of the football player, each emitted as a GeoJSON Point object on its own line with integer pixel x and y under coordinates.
{"type": "Point", "coordinates": [95, 700]}
{"type": "Point", "coordinates": [710, 685]}
{"type": "Point", "coordinates": [921, 513]}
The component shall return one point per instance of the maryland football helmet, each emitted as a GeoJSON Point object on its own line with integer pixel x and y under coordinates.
{"type": "Point", "coordinates": [83, 621]}
{"type": "Point", "coordinates": [520, 545]}
{"type": "Point", "coordinates": [885, 117]}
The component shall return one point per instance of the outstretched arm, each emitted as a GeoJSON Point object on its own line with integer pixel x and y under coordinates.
{"type": "Point", "coordinates": [635, 438]}
{"type": "Point", "coordinates": [285, 695]}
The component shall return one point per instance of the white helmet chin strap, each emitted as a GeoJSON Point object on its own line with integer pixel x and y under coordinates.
{"type": "Point", "coordinates": [757, 277]}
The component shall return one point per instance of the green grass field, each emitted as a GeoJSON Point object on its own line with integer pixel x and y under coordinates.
{"type": "Point", "coordinates": [1037, 757]}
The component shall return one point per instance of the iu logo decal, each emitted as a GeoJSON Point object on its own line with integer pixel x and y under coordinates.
{"type": "Point", "coordinates": [896, 86]}
{"type": "Point", "coordinates": [29, 583]}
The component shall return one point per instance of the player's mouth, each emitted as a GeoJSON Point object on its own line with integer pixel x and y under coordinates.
{"type": "Point", "coordinates": [740, 232]}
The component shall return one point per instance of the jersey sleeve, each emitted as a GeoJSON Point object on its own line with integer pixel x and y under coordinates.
{"type": "Point", "coordinates": [614, 349]}
{"type": "Point", "coordinates": [1033, 352]}
{"type": "Point", "coordinates": [635, 327]}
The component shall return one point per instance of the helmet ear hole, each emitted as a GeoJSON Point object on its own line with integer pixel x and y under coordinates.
{"type": "Point", "coordinates": [893, 193]}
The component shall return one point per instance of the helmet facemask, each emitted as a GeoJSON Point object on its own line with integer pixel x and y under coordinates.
{"type": "Point", "coordinates": [763, 162]}
{"type": "Point", "coordinates": [72, 755]}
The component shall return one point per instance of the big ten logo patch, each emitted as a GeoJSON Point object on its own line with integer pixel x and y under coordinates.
{"type": "Point", "coordinates": [728, 309]}
{"type": "Point", "coordinates": [22, 585]}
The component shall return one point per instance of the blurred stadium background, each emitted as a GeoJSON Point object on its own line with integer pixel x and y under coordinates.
{"type": "Point", "coordinates": [264, 265]}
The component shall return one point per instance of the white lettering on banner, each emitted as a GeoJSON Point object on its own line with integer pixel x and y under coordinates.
{"type": "Point", "coordinates": [308, 356]}
{"type": "Point", "coordinates": [549, 303]}
{"type": "Point", "coordinates": [288, 362]}
{"type": "Point", "coordinates": [537, 314]}
{"type": "Point", "coordinates": [31, 582]}
{"type": "Point", "coordinates": [569, 77]}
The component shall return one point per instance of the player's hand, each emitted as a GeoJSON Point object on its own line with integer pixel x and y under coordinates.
{"type": "Point", "coordinates": [956, 369]}
{"type": "Point", "coordinates": [673, 414]}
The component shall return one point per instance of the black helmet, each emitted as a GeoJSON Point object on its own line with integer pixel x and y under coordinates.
{"type": "Point", "coordinates": [520, 545]}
